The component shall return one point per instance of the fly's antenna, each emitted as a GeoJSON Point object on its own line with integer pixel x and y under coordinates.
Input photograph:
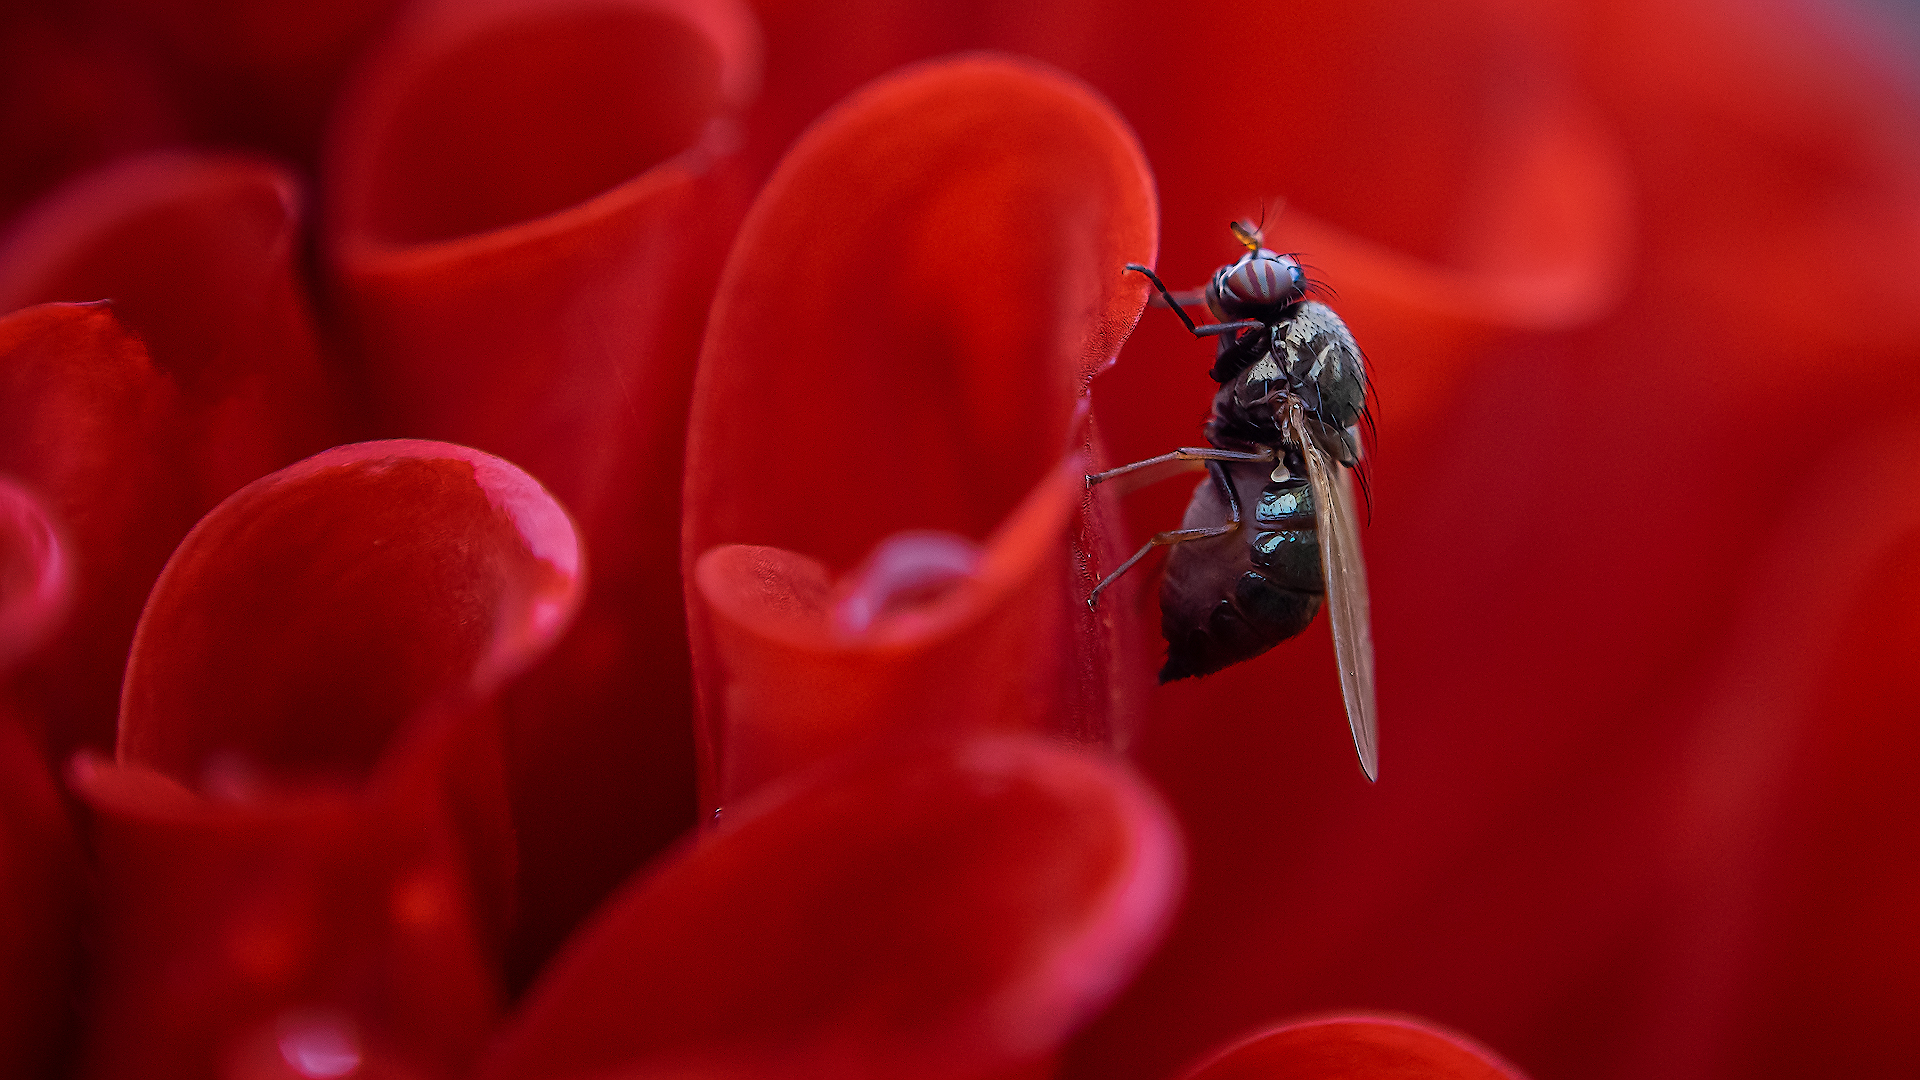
{"type": "Point", "coordinates": [1250, 238]}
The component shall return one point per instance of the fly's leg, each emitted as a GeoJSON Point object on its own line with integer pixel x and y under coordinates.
{"type": "Point", "coordinates": [1213, 330]}
{"type": "Point", "coordinates": [1180, 536]}
{"type": "Point", "coordinates": [1185, 453]}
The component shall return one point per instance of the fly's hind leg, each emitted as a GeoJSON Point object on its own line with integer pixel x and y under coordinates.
{"type": "Point", "coordinates": [1180, 536]}
{"type": "Point", "coordinates": [1184, 454]}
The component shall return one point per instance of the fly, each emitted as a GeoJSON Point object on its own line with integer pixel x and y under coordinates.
{"type": "Point", "coordinates": [1283, 439]}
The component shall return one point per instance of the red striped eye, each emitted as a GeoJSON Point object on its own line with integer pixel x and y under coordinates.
{"type": "Point", "coordinates": [1265, 278]}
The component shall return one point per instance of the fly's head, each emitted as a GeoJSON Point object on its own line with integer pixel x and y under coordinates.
{"type": "Point", "coordinates": [1258, 284]}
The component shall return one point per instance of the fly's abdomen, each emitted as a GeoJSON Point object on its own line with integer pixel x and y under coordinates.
{"type": "Point", "coordinates": [1242, 594]}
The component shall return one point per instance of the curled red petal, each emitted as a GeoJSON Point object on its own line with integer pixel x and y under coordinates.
{"type": "Point", "coordinates": [528, 205]}
{"type": "Point", "coordinates": [92, 429]}
{"type": "Point", "coordinates": [251, 937]}
{"type": "Point", "coordinates": [36, 573]}
{"type": "Point", "coordinates": [1355, 1048]}
{"type": "Point", "coordinates": [315, 612]}
{"type": "Point", "coordinates": [199, 255]}
{"type": "Point", "coordinates": [949, 912]}
{"type": "Point", "coordinates": [802, 679]}
{"type": "Point", "coordinates": [908, 322]}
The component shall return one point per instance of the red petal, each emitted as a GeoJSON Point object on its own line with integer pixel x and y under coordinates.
{"type": "Point", "coordinates": [40, 907]}
{"type": "Point", "coordinates": [944, 913]}
{"type": "Point", "coordinates": [242, 938]}
{"type": "Point", "coordinates": [1355, 1048]}
{"type": "Point", "coordinates": [36, 574]}
{"type": "Point", "coordinates": [907, 323]}
{"type": "Point", "coordinates": [91, 427]}
{"type": "Point", "coordinates": [317, 610]}
{"type": "Point", "coordinates": [197, 253]}
{"type": "Point", "coordinates": [527, 213]}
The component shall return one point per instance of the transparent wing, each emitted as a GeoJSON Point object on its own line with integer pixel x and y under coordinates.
{"type": "Point", "coordinates": [1346, 575]}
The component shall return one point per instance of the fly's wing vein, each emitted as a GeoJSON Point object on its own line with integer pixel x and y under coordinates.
{"type": "Point", "coordinates": [1346, 577]}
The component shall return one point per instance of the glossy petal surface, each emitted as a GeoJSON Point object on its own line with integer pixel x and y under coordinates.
{"type": "Point", "coordinates": [946, 913]}
{"type": "Point", "coordinates": [317, 611]}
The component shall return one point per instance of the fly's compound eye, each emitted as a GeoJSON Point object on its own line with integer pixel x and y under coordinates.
{"type": "Point", "coordinates": [1264, 278]}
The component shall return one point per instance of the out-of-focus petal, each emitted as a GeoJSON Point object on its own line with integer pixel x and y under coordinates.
{"type": "Point", "coordinates": [199, 254]}
{"type": "Point", "coordinates": [250, 72]}
{"type": "Point", "coordinates": [92, 428]}
{"type": "Point", "coordinates": [70, 101]}
{"type": "Point", "coordinates": [41, 907]}
{"type": "Point", "coordinates": [1780, 139]}
{"type": "Point", "coordinates": [1788, 846]}
{"type": "Point", "coordinates": [229, 933]}
{"type": "Point", "coordinates": [308, 818]}
{"type": "Point", "coordinates": [529, 203]}
{"type": "Point", "coordinates": [952, 912]}
{"type": "Point", "coordinates": [902, 341]}
{"type": "Point", "coordinates": [1355, 1048]}
{"type": "Point", "coordinates": [36, 573]}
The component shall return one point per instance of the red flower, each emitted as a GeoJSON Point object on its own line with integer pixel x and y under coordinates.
{"type": "Point", "coordinates": [1640, 656]}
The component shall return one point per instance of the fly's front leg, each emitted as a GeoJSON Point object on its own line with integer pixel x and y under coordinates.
{"type": "Point", "coordinates": [1197, 331]}
{"type": "Point", "coordinates": [1180, 536]}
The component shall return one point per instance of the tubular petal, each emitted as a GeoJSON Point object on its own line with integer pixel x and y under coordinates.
{"type": "Point", "coordinates": [93, 429]}
{"type": "Point", "coordinates": [909, 320]}
{"type": "Point", "coordinates": [1355, 1048]}
{"type": "Point", "coordinates": [949, 912]}
{"type": "Point", "coordinates": [799, 685]}
{"type": "Point", "coordinates": [198, 254]}
{"type": "Point", "coordinates": [528, 205]}
{"type": "Point", "coordinates": [318, 610]}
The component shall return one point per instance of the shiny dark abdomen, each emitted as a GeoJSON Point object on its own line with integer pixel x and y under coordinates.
{"type": "Point", "coordinates": [1230, 598]}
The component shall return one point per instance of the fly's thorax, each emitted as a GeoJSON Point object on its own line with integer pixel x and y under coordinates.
{"type": "Point", "coordinates": [1248, 408]}
{"type": "Point", "coordinates": [1322, 363]}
